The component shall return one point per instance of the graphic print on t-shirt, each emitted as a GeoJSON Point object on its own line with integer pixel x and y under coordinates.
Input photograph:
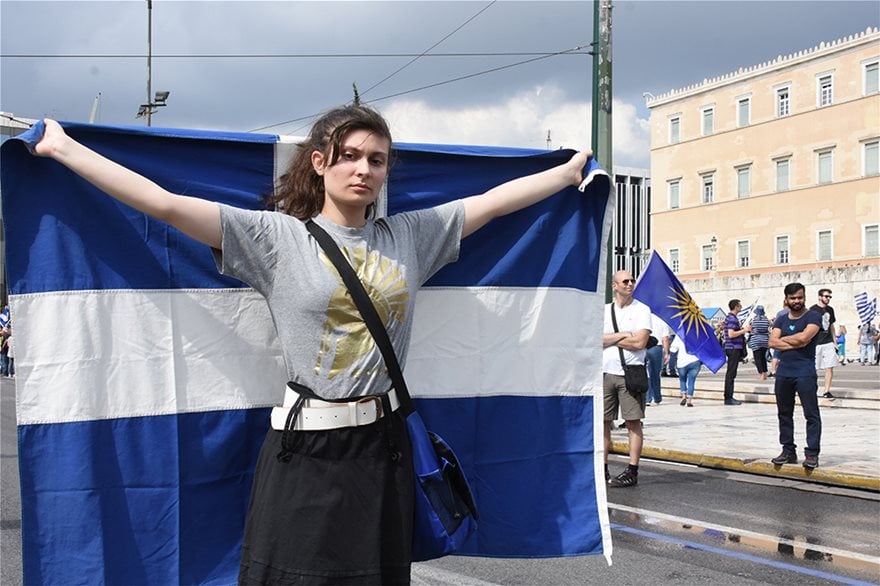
{"type": "Point", "coordinates": [346, 342]}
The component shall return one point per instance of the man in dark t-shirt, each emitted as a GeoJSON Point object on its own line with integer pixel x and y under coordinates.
{"type": "Point", "coordinates": [794, 335]}
{"type": "Point", "coordinates": [734, 348]}
{"type": "Point", "coordinates": [826, 346]}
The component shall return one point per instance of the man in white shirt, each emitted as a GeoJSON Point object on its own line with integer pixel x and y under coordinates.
{"type": "Point", "coordinates": [633, 329]}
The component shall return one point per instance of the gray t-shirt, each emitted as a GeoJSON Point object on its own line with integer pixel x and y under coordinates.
{"type": "Point", "coordinates": [325, 343]}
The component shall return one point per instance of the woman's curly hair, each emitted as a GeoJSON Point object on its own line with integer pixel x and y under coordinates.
{"type": "Point", "coordinates": [300, 192]}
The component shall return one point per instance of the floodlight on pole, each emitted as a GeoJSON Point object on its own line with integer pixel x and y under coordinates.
{"type": "Point", "coordinates": [153, 102]}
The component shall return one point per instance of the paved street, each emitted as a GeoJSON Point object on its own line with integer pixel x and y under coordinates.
{"type": "Point", "coordinates": [685, 523]}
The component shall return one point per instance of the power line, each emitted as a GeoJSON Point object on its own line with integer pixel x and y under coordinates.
{"type": "Point", "coordinates": [572, 51]}
{"type": "Point", "coordinates": [416, 58]}
{"type": "Point", "coordinates": [273, 55]}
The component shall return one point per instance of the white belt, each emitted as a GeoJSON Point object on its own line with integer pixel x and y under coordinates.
{"type": "Point", "coordinates": [317, 415]}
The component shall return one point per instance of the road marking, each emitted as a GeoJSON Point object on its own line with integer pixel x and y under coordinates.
{"type": "Point", "coordinates": [869, 559]}
{"type": "Point", "coordinates": [742, 556]}
{"type": "Point", "coordinates": [763, 541]}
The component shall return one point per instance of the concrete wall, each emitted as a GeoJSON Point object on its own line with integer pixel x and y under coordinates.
{"type": "Point", "coordinates": [767, 287]}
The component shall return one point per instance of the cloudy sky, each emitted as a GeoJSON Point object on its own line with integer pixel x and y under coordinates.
{"type": "Point", "coordinates": [271, 65]}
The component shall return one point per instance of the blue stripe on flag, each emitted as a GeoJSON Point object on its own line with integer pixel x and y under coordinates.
{"type": "Point", "coordinates": [546, 471]}
{"type": "Point", "coordinates": [512, 250]}
{"type": "Point", "coordinates": [144, 500]}
{"type": "Point", "coordinates": [125, 249]}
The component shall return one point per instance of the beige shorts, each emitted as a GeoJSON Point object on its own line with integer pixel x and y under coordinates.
{"type": "Point", "coordinates": [826, 355]}
{"type": "Point", "coordinates": [632, 407]}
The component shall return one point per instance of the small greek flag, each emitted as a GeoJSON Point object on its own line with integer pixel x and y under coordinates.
{"type": "Point", "coordinates": [746, 313]}
{"type": "Point", "coordinates": [4, 317]}
{"type": "Point", "coordinates": [867, 310]}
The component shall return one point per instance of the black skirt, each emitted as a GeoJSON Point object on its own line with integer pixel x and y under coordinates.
{"type": "Point", "coordinates": [339, 511]}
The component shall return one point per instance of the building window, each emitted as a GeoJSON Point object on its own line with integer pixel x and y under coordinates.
{"type": "Point", "coordinates": [674, 194]}
{"type": "Point", "coordinates": [783, 181]}
{"type": "Point", "coordinates": [871, 158]}
{"type": "Point", "coordinates": [824, 245]}
{"type": "Point", "coordinates": [708, 257]}
{"type": "Point", "coordinates": [782, 250]}
{"type": "Point", "coordinates": [783, 102]}
{"type": "Point", "coordinates": [871, 242]}
{"type": "Point", "coordinates": [824, 90]}
{"type": "Point", "coordinates": [743, 111]}
{"type": "Point", "coordinates": [708, 120]}
{"type": "Point", "coordinates": [675, 259]}
{"type": "Point", "coordinates": [743, 181]}
{"type": "Point", "coordinates": [674, 129]}
{"type": "Point", "coordinates": [742, 254]}
{"type": "Point", "coordinates": [708, 188]}
{"type": "Point", "coordinates": [871, 79]}
{"type": "Point", "coordinates": [824, 166]}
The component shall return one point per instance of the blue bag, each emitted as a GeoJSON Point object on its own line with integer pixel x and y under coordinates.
{"type": "Point", "coordinates": [444, 514]}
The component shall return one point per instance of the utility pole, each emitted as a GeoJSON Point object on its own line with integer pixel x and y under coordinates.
{"type": "Point", "coordinates": [601, 121]}
{"type": "Point", "coordinates": [149, 112]}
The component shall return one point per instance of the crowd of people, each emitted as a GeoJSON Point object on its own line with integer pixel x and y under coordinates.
{"type": "Point", "coordinates": [790, 347]}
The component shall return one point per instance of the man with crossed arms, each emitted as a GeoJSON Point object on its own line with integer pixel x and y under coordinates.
{"type": "Point", "coordinates": [634, 327]}
{"type": "Point", "coordinates": [794, 335]}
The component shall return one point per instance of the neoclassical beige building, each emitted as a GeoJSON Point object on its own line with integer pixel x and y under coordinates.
{"type": "Point", "coordinates": [771, 174]}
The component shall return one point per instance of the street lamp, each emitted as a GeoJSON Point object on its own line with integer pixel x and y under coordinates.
{"type": "Point", "coordinates": [151, 107]}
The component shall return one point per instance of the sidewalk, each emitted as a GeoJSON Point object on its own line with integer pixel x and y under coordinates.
{"type": "Point", "coordinates": [744, 438]}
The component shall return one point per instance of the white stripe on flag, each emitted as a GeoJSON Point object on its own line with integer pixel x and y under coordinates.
{"type": "Point", "coordinates": [216, 349]}
{"type": "Point", "coordinates": [545, 338]}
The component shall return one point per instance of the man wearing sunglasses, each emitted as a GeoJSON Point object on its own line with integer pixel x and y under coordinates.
{"type": "Point", "coordinates": [624, 343]}
{"type": "Point", "coordinates": [826, 349]}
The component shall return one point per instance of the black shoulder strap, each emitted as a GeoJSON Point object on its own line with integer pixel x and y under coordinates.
{"type": "Point", "coordinates": [619, 349]}
{"type": "Point", "coordinates": [367, 310]}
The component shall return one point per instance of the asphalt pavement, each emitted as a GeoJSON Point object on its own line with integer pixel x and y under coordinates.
{"type": "Point", "coordinates": [745, 437]}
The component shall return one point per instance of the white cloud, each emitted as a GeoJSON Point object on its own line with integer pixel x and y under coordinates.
{"type": "Point", "coordinates": [521, 120]}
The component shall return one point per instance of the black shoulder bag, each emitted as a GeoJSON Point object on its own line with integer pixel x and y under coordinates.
{"type": "Point", "coordinates": [445, 514]}
{"type": "Point", "coordinates": [635, 375]}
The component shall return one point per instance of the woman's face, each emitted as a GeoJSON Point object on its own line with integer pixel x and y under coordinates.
{"type": "Point", "coordinates": [355, 179]}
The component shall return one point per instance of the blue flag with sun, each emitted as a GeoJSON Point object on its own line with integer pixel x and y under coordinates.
{"type": "Point", "coordinates": [659, 289]}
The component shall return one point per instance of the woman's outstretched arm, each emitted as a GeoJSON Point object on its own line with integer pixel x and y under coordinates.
{"type": "Point", "coordinates": [521, 193]}
{"type": "Point", "coordinates": [197, 218]}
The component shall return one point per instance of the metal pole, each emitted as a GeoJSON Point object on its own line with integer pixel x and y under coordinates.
{"type": "Point", "coordinates": [601, 131]}
{"type": "Point", "coordinates": [149, 102]}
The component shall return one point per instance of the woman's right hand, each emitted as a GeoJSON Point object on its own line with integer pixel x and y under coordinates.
{"type": "Point", "coordinates": [52, 141]}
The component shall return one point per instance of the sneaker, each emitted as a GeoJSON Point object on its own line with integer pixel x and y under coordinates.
{"type": "Point", "coordinates": [810, 462]}
{"type": "Point", "coordinates": [828, 395]}
{"type": "Point", "coordinates": [786, 458]}
{"type": "Point", "coordinates": [732, 402]}
{"type": "Point", "coordinates": [624, 479]}
{"type": "Point", "coordinates": [683, 401]}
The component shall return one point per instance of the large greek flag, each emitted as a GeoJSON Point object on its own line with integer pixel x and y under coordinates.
{"type": "Point", "coordinates": [144, 377]}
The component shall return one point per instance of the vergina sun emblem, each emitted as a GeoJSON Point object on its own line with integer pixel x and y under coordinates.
{"type": "Point", "coordinates": [346, 343]}
{"type": "Point", "coordinates": [689, 313]}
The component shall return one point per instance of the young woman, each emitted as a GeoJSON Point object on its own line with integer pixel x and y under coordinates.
{"type": "Point", "coordinates": [328, 505]}
{"type": "Point", "coordinates": [759, 341]}
{"type": "Point", "coordinates": [688, 369]}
